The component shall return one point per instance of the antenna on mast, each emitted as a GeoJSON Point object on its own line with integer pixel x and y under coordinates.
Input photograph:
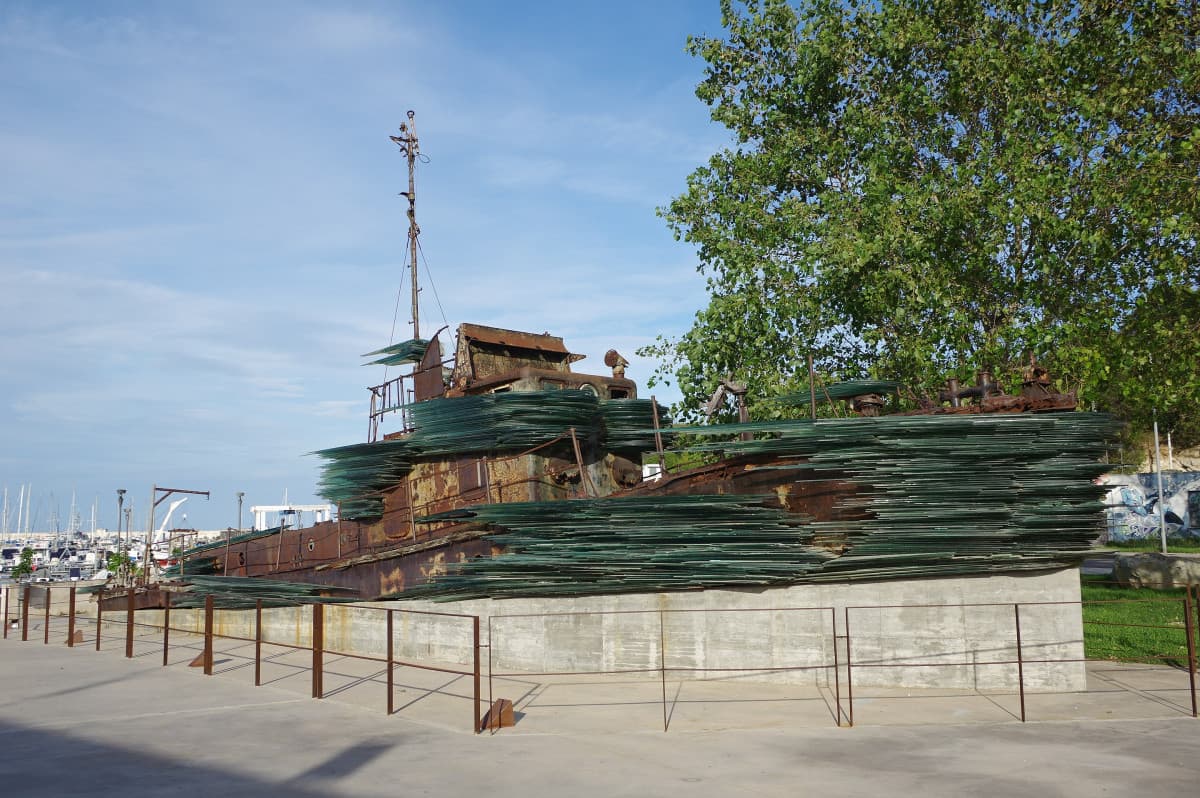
{"type": "Point", "coordinates": [407, 141]}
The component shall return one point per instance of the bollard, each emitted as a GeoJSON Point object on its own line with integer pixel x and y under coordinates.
{"type": "Point", "coordinates": [318, 643]}
{"type": "Point", "coordinates": [7, 601]}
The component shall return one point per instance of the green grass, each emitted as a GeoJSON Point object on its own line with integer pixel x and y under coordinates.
{"type": "Point", "coordinates": [1116, 627]}
{"type": "Point", "coordinates": [1174, 546]}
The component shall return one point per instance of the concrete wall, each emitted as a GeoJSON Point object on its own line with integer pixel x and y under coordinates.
{"type": "Point", "coordinates": [703, 633]}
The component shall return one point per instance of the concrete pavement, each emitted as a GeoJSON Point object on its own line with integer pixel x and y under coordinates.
{"type": "Point", "coordinates": [81, 722]}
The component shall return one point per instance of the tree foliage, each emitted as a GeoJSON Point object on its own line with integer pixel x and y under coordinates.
{"type": "Point", "coordinates": [920, 188]}
{"type": "Point", "coordinates": [24, 566]}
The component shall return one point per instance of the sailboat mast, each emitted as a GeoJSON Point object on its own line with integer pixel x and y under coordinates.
{"type": "Point", "coordinates": [407, 141]}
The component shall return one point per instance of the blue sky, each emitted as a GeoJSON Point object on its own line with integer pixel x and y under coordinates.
{"type": "Point", "coordinates": [200, 230]}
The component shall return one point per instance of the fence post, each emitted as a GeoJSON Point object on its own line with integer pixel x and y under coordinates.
{"type": "Point", "coordinates": [849, 671]}
{"type": "Point", "coordinates": [208, 635]}
{"type": "Point", "coordinates": [258, 642]}
{"type": "Point", "coordinates": [129, 622]}
{"type": "Point", "coordinates": [99, 616]}
{"type": "Point", "coordinates": [837, 677]}
{"type": "Point", "coordinates": [1191, 646]}
{"type": "Point", "coordinates": [662, 665]}
{"type": "Point", "coordinates": [46, 622]}
{"type": "Point", "coordinates": [25, 614]}
{"type": "Point", "coordinates": [391, 701]}
{"type": "Point", "coordinates": [166, 594]}
{"type": "Point", "coordinates": [1020, 659]}
{"type": "Point", "coordinates": [318, 644]}
{"type": "Point", "coordinates": [71, 619]}
{"type": "Point", "coordinates": [476, 724]}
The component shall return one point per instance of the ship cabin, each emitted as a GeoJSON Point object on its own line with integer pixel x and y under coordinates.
{"type": "Point", "coordinates": [490, 360]}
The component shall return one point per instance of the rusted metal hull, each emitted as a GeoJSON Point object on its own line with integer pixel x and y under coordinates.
{"type": "Point", "coordinates": [388, 556]}
{"type": "Point", "coordinates": [144, 598]}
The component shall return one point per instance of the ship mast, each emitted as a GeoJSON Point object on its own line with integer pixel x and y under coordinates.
{"type": "Point", "coordinates": [407, 141]}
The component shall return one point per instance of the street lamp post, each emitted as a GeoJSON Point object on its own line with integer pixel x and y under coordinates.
{"type": "Point", "coordinates": [240, 494]}
{"type": "Point", "coordinates": [120, 517]}
{"type": "Point", "coordinates": [126, 562]}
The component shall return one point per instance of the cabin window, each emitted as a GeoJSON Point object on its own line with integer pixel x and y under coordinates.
{"type": "Point", "coordinates": [587, 387]}
{"type": "Point", "coordinates": [552, 385]}
{"type": "Point", "coordinates": [618, 393]}
{"type": "Point", "coordinates": [471, 474]}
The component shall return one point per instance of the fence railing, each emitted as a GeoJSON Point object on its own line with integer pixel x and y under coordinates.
{"type": "Point", "coordinates": [25, 598]}
{"type": "Point", "coordinates": [834, 648]}
{"type": "Point", "coordinates": [827, 655]}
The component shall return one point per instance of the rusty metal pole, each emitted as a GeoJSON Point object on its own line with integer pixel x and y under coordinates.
{"type": "Point", "coordinates": [46, 622]}
{"type": "Point", "coordinates": [1020, 659]}
{"type": "Point", "coordinates": [25, 614]}
{"type": "Point", "coordinates": [849, 673]}
{"type": "Point", "coordinates": [837, 678]}
{"type": "Point", "coordinates": [258, 642]}
{"type": "Point", "coordinates": [476, 725]}
{"type": "Point", "coordinates": [1191, 646]}
{"type": "Point", "coordinates": [71, 619]}
{"type": "Point", "coordinates": [491, 699]}
{"type": "Point", "coordinates": [812, 388]}
{"type": "Point", "coordinates": [583, 472]}
{"type": "Point", "coordinates": [658, 444]}
{"type": "Point", "coordinates": [208, 635]}
{"type": "Point", "coordinates": [129, 622]}
{"type": "Point", "coordinates": [318, 645]}
{"type": "Point", "coordinates": [662, 665]}
{"type": "Point", "coordinates": [99, 616]}
{"type": "Point", "coordinates": [391, 704]}
{"type": "Point", "coordinates": [166, 624]}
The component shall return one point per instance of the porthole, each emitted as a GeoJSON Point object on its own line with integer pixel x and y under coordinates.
{"type": "Point", "coordinates": [312, 544]}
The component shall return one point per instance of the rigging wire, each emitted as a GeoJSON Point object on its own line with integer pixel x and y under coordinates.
{"type": "Point", "coordinates": [429, 277]}
{"type": "Point", "coordinates": [396, 312]}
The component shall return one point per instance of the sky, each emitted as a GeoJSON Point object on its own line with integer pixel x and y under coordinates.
{"type": "Point", "coordinates": [201, 232]}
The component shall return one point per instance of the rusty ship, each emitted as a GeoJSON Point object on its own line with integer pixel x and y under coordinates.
{"type": "Point", "coordinates": [408, 527]}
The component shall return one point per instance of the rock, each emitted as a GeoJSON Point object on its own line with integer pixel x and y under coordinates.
{"type": "Point", "coordinates": [1158, 571]}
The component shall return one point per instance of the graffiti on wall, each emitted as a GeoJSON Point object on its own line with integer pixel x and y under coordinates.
{"type": "Point", "coordinates": [1133, 505]}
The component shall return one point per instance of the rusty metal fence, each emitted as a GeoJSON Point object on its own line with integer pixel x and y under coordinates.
{"type": "Point", "coordinates": [832, 653]}
{"type": "Point", "coordinates": [823, 657]}
{"type": "Point", "coordinates": [29, 598]}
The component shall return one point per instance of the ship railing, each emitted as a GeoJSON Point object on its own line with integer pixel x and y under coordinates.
{"type": "Point", "coordinates": [395, 396]}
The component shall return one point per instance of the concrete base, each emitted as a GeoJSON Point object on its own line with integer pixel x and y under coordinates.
{"type": "Point", "coordinates": [932, 633]}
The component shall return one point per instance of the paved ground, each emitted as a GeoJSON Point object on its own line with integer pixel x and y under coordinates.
{"type": "Point", "coordinates": [81, 722]}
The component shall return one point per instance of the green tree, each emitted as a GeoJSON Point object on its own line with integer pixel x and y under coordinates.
{"type": "Point", "coordinates": [115, 561]}
{"type": "Point", "coordinates": [920, 188]}
{"type": "Point", "coordinates": [25, 566]}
